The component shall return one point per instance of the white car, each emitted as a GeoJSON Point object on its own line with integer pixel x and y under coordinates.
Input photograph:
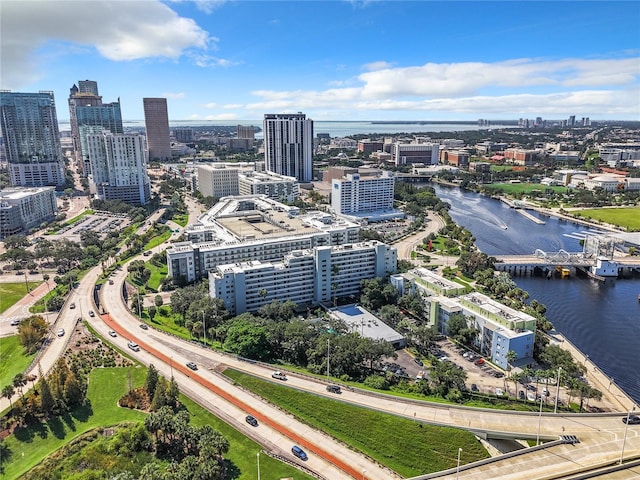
{"type": "Point", "coordinates": [499, 392]}
{"type": "Point", "coordinates": [112, 334]}
{"type": "Point", "coordinates": [279, 375]}
{"type": "Point", "coordinates": [61, 332]}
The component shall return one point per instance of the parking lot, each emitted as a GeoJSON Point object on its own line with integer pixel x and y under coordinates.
{"type": "Point", "coordinates": [99, 222]}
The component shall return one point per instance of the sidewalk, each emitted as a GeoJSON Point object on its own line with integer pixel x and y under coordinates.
{"type": "Point", "coordinates": [20, 309]}
{"type": "Point", "coordinates": [612, 395]}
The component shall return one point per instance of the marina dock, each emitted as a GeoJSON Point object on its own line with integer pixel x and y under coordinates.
{"type": "Point", "coordinates": [527, 215]}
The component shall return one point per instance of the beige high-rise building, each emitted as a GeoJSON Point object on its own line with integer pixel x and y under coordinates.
{"type": "Point", "coordinates": [156, 121]}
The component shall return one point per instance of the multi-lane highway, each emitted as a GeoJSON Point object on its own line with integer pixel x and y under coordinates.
{"type": "Point", "coordinates": [600, 435]}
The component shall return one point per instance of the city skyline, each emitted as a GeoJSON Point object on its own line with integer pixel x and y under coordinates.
{"type": "Point", "coordinates": [333, 60]}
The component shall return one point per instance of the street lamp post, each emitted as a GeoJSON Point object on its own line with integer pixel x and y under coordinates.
{"type": "Point", "coordinates": [328, 353]}
{"type": "Point", "coordinates": [258, 458]}
{"type": "Point", "coordinates": [555, 407]}
{"type": "Point", "coordinates": [171, 365]}
{"type": "Point", "coordinates": [458, 465]}
{"type": "Point", "coordinates": [624, 439]}
{"type": "Point", "coordinates": [539, 422]}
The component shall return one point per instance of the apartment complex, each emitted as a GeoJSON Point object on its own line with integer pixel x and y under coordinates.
{"type": "Point", "coordinates": [87, 110]}
{"type": "Point", "coordinates": [156, 122]}
{"type": "Point", "coordinates": [29, 126]}
{"type": "Point", "coordinates": [306, 277]}
{"type": "Point", "coordinates": [288, 145]}
{"type": "Point", "coordinates": [500, 329]}
{"type": "Point", "coordinates": [356, 193]}
{"type": "Point", "coordinates": [252, 228]}
{"type": "Point", "coordinates": [118, 165]}
{"type": "Point", "coordinates": [217, 180]}
{"type": "Point", "coordinates": [24, 208]}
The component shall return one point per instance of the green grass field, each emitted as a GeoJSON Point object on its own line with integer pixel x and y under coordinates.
{"type": "Point", "coordinates": [30, 446]}
{"type": "Point", "coordinates": [12, 359]}
{"type": "Point", "coordinates": [157, 240]}
{"type": "Point", "coordinates": [407, 447]}
{"type": "Point", "coordinates": [10, 293]}
{"type": "Point", "coordinates": [181, 219]}
{"type": "Point", "coordinates": [106, 385]}
{"type": "Point", "coordinates": [628, 217]}
{"type": "Point", "coordinates": [157, 274]}
{"type": "Point", "coordinates": [77, 217]}
{"type": "Point", "coordinates": [526, 187]}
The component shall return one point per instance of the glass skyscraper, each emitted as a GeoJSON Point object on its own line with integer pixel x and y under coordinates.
{"type": "Point", "coordinates": [31, 138]}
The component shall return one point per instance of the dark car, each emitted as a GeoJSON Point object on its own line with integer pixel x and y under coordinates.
{"type": "Point", "coordinates": [521, 395]}
{"type": "Point", "coordinates": [251, 420]}
{"type": "Point", "coordinates": [192, 365]}
{"type": "Point", "coordinates": [418, 361]}
{"type": "Point", "coordinates": [144, 326]}
{"type": "Point", "coordinates": [631, 420]}
{"type": "Point", "coordinates": [298, 452]}
{"type": "Point", "coordinates": [474, 387]}
{"type": "Point", "coordinates": [333, 389]}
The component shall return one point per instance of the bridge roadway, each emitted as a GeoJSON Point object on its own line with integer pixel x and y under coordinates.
{"type": "Point", "coordinates": [626, 261]}
{"type": "Point", "coordinates": [600, 435]}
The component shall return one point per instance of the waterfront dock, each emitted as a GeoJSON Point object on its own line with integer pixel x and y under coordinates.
{"type": "Point", "coordinates": [527, 215]}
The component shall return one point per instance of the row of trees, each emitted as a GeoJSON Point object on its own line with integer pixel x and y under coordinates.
{"type": "Point", "coordinates": [61, 391]}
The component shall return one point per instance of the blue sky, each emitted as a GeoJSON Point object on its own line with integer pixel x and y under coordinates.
{"type": "Point", "coordinates": [333, 60]}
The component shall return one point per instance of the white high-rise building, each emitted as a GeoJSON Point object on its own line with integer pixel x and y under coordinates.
{"type": "Point", "coordinates": [358, 193]}
{"type": "Point", "coordinates": [118, 167]}
{"type": "Point", "coordinates": [306, 277]}
{"type": "Point", "coordinates": [288, 145]}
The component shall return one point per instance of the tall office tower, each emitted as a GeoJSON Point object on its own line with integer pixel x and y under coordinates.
{"type": "Point", "coordinates": [572, 120]}
{"type": "Point", "coordinates": [156, 121]}
{"type": "Point", "coordinates": [86, 109]}
{"type": "Point", "coordinates": [118, 166]}
{"type": "Point", "coordinates": [32, 141]}
{"type": "Point", "coordinates": [288, 142]}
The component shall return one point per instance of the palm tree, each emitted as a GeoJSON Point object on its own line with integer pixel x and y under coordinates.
{"type": "Point", "coordinates": [19, 381]}
{"type": "Point", "coordinates": [511, 357]}
{"type": "Point", "coordinates": [7, 392]}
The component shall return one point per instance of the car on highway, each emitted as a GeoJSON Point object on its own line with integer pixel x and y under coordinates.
{"type": "Point", "coordinates": [110, 281]}
{"type": "Point", "coordinates": [112, 334]}
{"type": "Point", "coordinates": [92, 313]}
{"type": "Point", "coordinates": [251, 420]}
{"type": "Point", "coordinates": [133, 346]}
{"type": "Point", "coordinates": [144, 326]}
{"type": "Point", "coordinates": [278, 375]}
{"type": "Point", "coordinates": [333, 389]}
{"type": "Point", "coordinates": [60, 332]}
{"type": "Point", "coordinates": [192, 365]}
{"type": "Point", "coordinates": [298, 452]}
{"type": "Point", "coordinates": [73, 305]}
{"type": "Point", "coordinates": [631, 420]}
{"type": "Point", "coordinates": [15, 323]}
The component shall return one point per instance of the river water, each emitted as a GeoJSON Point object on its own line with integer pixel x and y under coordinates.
{"type": "Point", "coordinates": [601, 318]}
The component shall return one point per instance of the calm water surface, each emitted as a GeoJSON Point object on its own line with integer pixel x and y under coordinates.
{"type": "Point", "coordinates": [600, 318]}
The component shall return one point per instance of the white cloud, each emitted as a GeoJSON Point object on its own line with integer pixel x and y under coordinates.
{"type": "Point", "coordinates": [204, 60]}
{"type": "Point", "coordinates": [232, 106]}
{"type": "Point", "coordinates": [175, 96]}
{"type": "Point", "coordinates": [119, 31]}
{"type": "Point", "coordinates": [210, 105]}
{"type": "Point", "coordinates": [595, 86]}
{"type": "Point", "coordinates": [373, 66]}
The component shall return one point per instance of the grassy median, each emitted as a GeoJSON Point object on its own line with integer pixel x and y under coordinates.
{"type": "Point", "coordinates": [405, 446]}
